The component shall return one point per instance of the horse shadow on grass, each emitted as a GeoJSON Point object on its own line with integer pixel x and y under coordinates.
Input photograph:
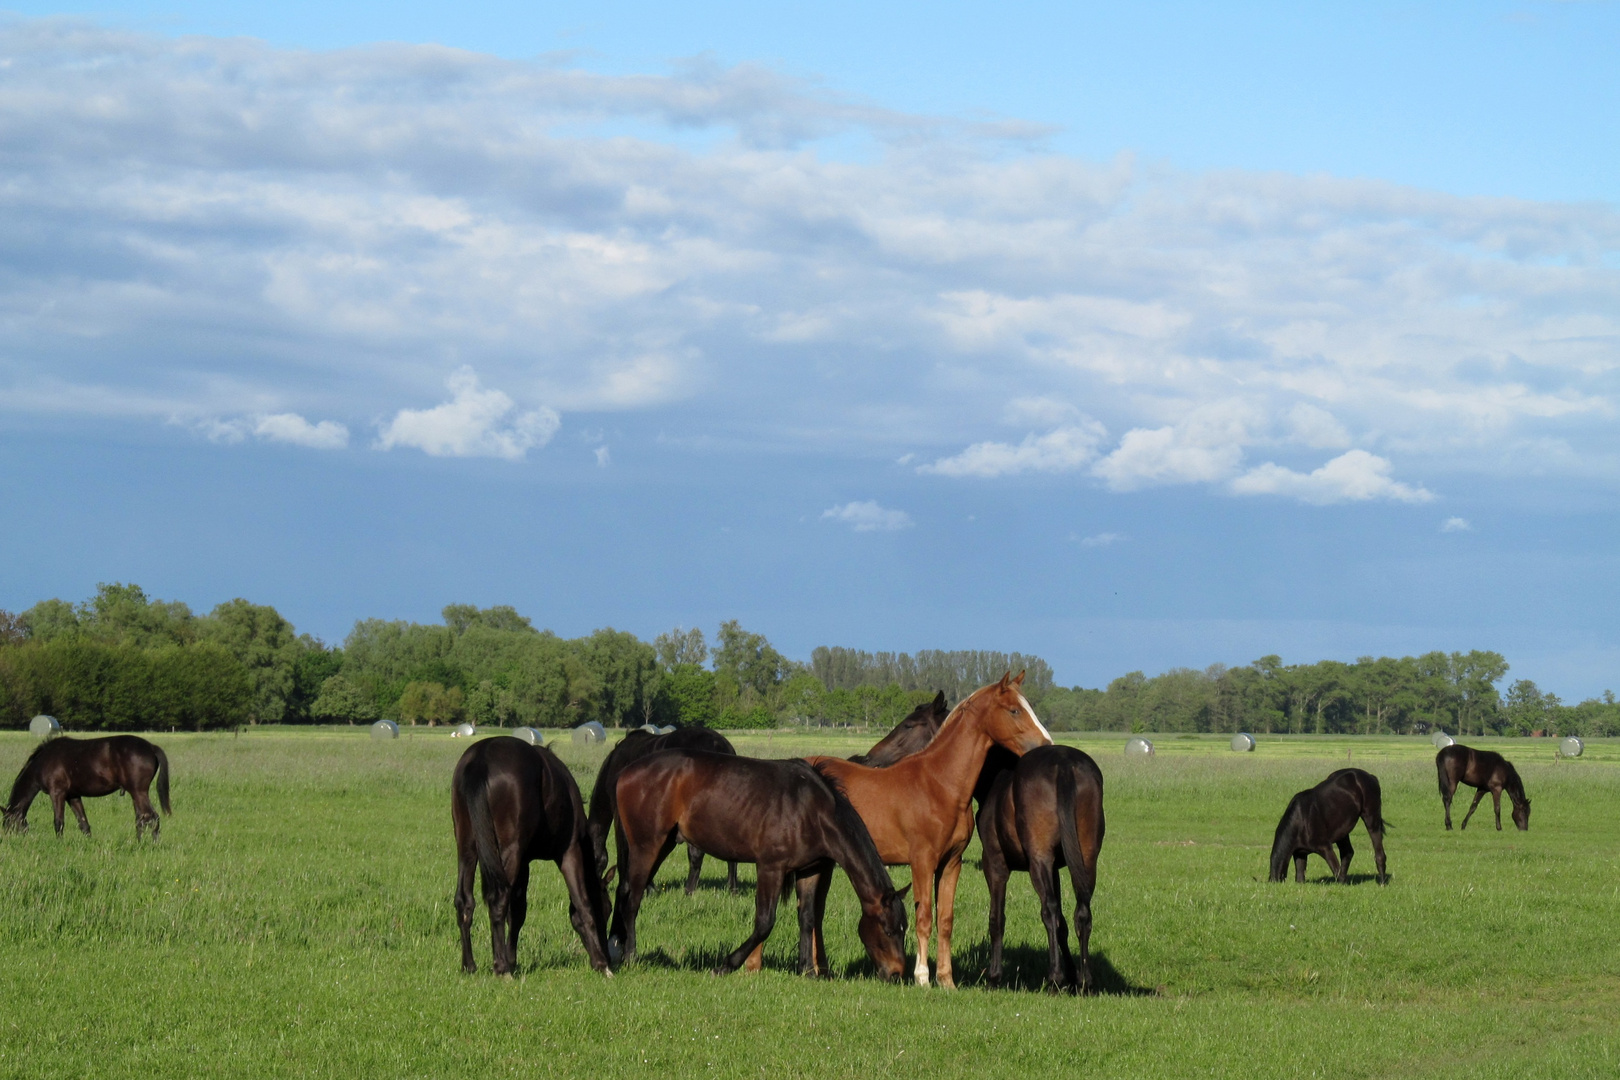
{"type": "Point", "coordinates": [1023, 967]}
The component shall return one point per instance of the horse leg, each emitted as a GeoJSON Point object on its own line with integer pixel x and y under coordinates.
{"type": "Point", "coordinates": [1346, 853]}
{"type": "Point", "coordinates": [1480, 794]}
{"type": "Point", "coordinates": [1377, 836]}
{"type": "Point", "coordinates": [1496, 802]}
{"type": "Point", "coordinates": [1299, 868]}
{"type": "Point", "coordinates": [465, 904]}
{"type": "Point", "coordinates": [731, 879]}
{"type": "Point", "coordinates": [517, 910]}
{"type": "Point", "coordinates": [1445, 797]}
{"type": "Point", "coordinates": [946, 909]}
{"type": "Point", "coordinates": [144, 814]}
{"type": "Point", "coordinates": [766, 894]}
{"type": "Point", "coordinates": [694, 868]}
{"type": "Point", "coordinates": [578, 865]}
{"type": "Point", "coordinates": [58, 804]}
{"type": "Point", "coordinates": [1326, 851]}
{"type": "Point", "coordinates": [922, 874]}
{"type": "Point", "coordinates": [497, 898]}
{"type": "Point", "coordinates": [1042, 877]}
{"type": "Point", "coordinates": [636, 871]}
{"type": "Point", "coordinates": [995, 878]}
{"type": "Point", "coordinates": [84, 822]}
{"type": "Point", "coordinates": [812, 890]}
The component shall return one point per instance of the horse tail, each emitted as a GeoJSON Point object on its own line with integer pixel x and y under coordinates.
{"type": "Point", "coordinates": [475, 789]}
{"type": "Point", "coordinates": [162, 780]}
{"type": "Point", "coordinates": [1372, 805]}
{"type": "Point", "coordinates": [1082, 875]}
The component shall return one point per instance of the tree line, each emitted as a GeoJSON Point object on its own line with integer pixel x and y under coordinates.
{"type": "Point", "coordinates": [122, 660]}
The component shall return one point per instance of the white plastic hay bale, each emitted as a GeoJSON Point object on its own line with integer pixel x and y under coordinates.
{"type": "Point", "coordinates": [592, 732]}
{"type": "Point", "coordinates": [1243, 742]}
{"type": "Point", "coordinates": [651, 729]}
{"type": "Point", "coordinates": [463, 730]}
{"type": "Point", "coordinates": [1441, 740]}
{"type": "Point", "coordinates": [530, 735]}
{"type": "Point", "coordinates": [385, 729]}
{"type": "Point", "coordinates": [1138, 747]}
{"type": "Point", "coordinates": [44, 727]}
{"type": "Point", "coordinates": [1570, 747]}
{"type": "Point", "coordinates": [665, 730]}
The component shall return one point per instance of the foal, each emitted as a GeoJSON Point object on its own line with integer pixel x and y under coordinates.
{"type": "Point", "coordinates": [1488, 771]}
{"type": "Point", "coordinates": [1320, 818]}
{"type": "Point", "coordinates": [71, 769]}
{"type": "Point", "coordinates": [909, 735]}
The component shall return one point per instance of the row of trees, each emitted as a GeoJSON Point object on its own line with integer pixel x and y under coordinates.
{"type": "Point", "coordinates": [123, 660]}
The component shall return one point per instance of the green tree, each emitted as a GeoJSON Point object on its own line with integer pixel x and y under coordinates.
{"type": "Point", "coordinates": [431, 703]}
{"type": "Point", "coordinates": [680, 646]}
{"type": "Point", "coordinates": [268, 648]}
{"type": "Point", "coordinates": [691, 691]}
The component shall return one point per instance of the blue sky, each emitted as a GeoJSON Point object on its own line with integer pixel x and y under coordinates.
{"type": "Point", "coordinates": [1130, 338]}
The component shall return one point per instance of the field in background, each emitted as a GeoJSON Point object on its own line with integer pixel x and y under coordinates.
{"type": "Point", "coordinates": [295, 919]}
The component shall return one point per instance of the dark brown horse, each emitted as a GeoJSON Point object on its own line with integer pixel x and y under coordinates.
{"type": "Point", "coordinates": [1488, 771]}
{"type": "Point", "coordinates": [1044, 813]}
{"type": "Point", "coordinates": [786, 817]}
{"type": "Point", "coordinates": [71, 769]}
{"type": "Point", "coordinates": [909, 735]}
{"type": "Point", "coordinates": [919, 809]}
{"type": "Point", "coordinates": [513, 803]}
{"type": "Point", "coordinates": [633, 747]}
{"type": "Point", "coordinates": [1320, 818]}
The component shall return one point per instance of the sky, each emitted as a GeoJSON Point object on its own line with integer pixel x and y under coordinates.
{"type": "Point", "coordinates": [1130, 338]}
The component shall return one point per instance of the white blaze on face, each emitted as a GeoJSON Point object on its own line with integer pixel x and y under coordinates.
{"type": "Point", "coordinates": [1024, 701]}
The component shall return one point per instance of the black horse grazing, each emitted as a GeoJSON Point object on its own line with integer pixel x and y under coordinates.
{"type": "Point", "coordinates": [513, 803]}
{"type": "Point", "coordinates": [1044, 813]}
{"type": "Point", "coordinates": [70, 769]}
{"type": "Point", "coordinates": [633, 747]}
{"type": "Point", "coordinates": [1321, 817]}
{"type": "Point", "coordinates": [786, 817]}
{"type": "Point", "coordinates": [909, 735]}
{"type": "Point", "coordinates": [1488, 771]}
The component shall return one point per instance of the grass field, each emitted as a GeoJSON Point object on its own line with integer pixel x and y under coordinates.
{"type": "Point", "coordinates": [295, 919]}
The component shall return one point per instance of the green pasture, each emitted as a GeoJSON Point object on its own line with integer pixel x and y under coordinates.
{"type": "Point", "coordinates": [295, 919]}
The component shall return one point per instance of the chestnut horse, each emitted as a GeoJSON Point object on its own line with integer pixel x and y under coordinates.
{"type": "Point", "coordinates": [909, 735]}
{"type": "Point", "coordinates": [1044, 813]}
{"type": "Point", "coordinates": [70, 769]}
{"type": "Point", "coordinates": [919, 809]}
{"type": "Point", "coordinates": [1486, 770]}
{"type": "Point", "coordinates": [1319, 819]}
{"type": "Point", "coordinates": [786, 817]}
{"type": "Point", "coordinates": [512, 803]}
{"type": "Point", "coordinates": [633, 747]}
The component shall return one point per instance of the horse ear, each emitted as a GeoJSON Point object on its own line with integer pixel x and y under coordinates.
{"type": "Point", "coordinates": [939, 702]}
{"type": "Point", "coordinates": [607, 878]}
{"type": "Point", "coordinates": [1006, 677]}
{"type": "Point", "coordinates": [900, 893]}
{"type": "Point", "coordinates": [1019, 681]}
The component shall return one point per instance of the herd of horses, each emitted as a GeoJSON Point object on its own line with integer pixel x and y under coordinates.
{"type": "Point", "coordinates": [915, 799]}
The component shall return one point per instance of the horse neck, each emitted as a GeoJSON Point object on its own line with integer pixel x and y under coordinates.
{"type": "Point", "coordinates": [1512, 784]}
{"type": "Point", "coordinates": [957, 752]}
{"type": "Point", "coordinates": [24, 790]}
{"type": "Point", "coordinates": [867, 874]}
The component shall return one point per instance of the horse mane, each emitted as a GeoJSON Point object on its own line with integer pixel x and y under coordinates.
{"type": "Point", "coordinates": [23, 773]}
{"type": "Point", "coordinates": [849, 820]}
{"type": "Point", "coordinates": [1515, 786]}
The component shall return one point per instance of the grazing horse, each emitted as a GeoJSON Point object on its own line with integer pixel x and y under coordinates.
{"type": "Point", "coordinates": [909, 735]}
{"type": "Point", "coordinates": [633, 747]}
{"type": "Point", "coordinates": [919, 809]}
{"type": "Point", "coordinates": [1044, 813]}
{"type": "Point", "coordinates": [513, 803]}
{"type": "Point", "coordinates": [786, 817]}
{"type": "Point", "coordinates": [1321, 817]}
{"type": "Point", "coordinates": [1486, 770]}
{"type": "Point", "coordinates": [70, 769]}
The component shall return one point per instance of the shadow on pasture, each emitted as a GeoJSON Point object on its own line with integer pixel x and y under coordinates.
{"type": "Point", "coordinates": [1352, 879]}
{"type": "Point", "coordinates": [1023, 967]}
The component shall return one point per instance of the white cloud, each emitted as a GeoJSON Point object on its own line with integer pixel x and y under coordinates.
{"type": "Point", "coordinates": [292, 428]}
{"type": "Point", "coordinates": [1107, 539]}
{"type": "Point", "coordinates": [1062, 450]}
{"type": "Point", "coordinates": [474, 423]}
{"type": "Point", "coordinates": [1353, 476]}
{"type": "Point", "coordinates": [603, 457]}
{"type": "Point", "coordinates": [1456, 524]}
{"type": "Point", "coordinates": [1204, 447]}
{"type": "Point", "coordinates": [868, 516]}
{"type": "Point", "coordinates": [1316, 428]}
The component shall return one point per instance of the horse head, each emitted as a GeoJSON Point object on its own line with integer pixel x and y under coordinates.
{"type": "Point", "coordinates": [13, 821]}
{"type": "Point", "coordinates": [1521, 814]}
{"type": "Point", "coordinates": [1007, 717]}
{"type": "Point", "coordinates": [883, 932]}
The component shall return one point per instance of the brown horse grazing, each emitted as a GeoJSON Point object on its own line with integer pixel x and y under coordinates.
{"type": "Point", "coordinates": [633, 747]}
{"type": "Point", "coordinates": [1320, 818]}
{"type": "Point", "coordinates": [1486, 770]}
{"type": "Point", "coordinates": [71, 769]}
{"type": "Point", "coordinates": [513, 803]}
{"type": "Point", "coordinates": [786, 817]}
{"type": "Point", "coordinates": [1044, 813]}
{"type": "Point", "coordinates": [919, 809]}
{"type": "Point", "coordinates": [909, 735]}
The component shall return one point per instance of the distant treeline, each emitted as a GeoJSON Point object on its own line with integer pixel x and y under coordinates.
{"type": "Point", "coordinates": [124, 661]}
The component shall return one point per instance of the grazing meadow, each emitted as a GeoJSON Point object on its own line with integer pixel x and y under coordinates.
{"type": "Point", "coordinates": [295, 919]}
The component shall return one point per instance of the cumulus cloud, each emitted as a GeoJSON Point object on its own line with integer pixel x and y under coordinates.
{"type": "Point", "coordinates": [1061, 450]}
{"type": "Point", "coordinates": [277, 427]}
{"type": "Point", "coordinates": [1354, 476]}
{"type": "Point", "coordinates": [868, 516]}
{"type": "Point", "coordinates": [474, 423]}
{"type": "Point", "coordinates": [1456, 524]}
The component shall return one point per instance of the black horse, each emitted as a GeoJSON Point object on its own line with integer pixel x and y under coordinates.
{"type": "Point", "coordinates": [1488, 771]}
{"type": "Point", "coordinates": [909, 735]}
{"type": "Point", "coordinates": [786, 817]}
{"type": "Point", "coordinates": [1321, 818]}
{"type": "Point", "coordinates": [633, 747]}
{"type": "Point", "coordinates": [513, 803]}
{"type": "Point", "coordinates": [71, 769]}
{"type": "Point", "coordinates": [1043, 813]}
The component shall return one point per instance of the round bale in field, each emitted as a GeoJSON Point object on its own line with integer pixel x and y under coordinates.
{"type": "Point", "coordinates": [44, 727]}
{"type": "Point", "coordinates": [1138, 747]}
{"type": "Point", "coordinates": [1441, 740]}
{"type": "Point", "coordinates": [463, 730]}
{"type": "Point", "coordinates": [1243, 742]}
{"type": "Point", "coordinates": [531, 736]}
{"type": "Point", "coordinates": [1570, 747]}
{"type": "Point", "coordinates": [385, 729]}
{"type": "Point", "coordinates": [651, 729]}
{"type": "Point", "coordinates": [592, 732]}
{"type": "Point", "coordinates": [665, 730]}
